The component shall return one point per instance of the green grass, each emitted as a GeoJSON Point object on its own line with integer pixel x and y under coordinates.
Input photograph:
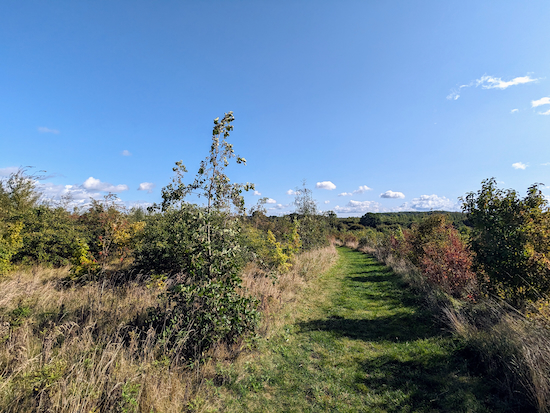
{"type": "Point", "coordinates": [357, 341]}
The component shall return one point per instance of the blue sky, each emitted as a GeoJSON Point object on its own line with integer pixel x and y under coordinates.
{"type": "Point", "coordinates": [378, 106]}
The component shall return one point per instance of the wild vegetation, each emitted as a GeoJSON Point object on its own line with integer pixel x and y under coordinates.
{"type": "Point", "coordinates": [488, 284]}
{"type": "Point", "coordinates": [109, 309]}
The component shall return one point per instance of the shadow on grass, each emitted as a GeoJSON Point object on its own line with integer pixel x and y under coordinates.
{"type": "Point", "coordinates": [434, 383]}
{"type": "Point", "coordinates": [421, 366]}
{"type": "Point", "coordinates": [397, 328]}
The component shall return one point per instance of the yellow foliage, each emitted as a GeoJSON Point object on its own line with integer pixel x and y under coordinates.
{"type": "Point", "coordinates": [10, 243]}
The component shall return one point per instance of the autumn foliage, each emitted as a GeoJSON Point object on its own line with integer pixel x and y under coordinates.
{"type": "Point", "coordinates": [436, 248]}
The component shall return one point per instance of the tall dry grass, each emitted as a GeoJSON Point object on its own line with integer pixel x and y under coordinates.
{"type": "Point", "coordinates": [274, 291]}
{"type": "Point", "coordinates": [72, 348]}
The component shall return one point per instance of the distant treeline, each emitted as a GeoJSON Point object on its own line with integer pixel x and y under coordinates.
{"type": "Point", "coordinates": [391, 221]}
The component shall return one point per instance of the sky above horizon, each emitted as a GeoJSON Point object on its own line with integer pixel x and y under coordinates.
{"type": "Point", "coordinates": [376, 106]}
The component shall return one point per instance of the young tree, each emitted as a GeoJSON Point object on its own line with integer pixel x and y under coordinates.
{"type": "Point", "coordinates": [312, 226]}
{"type": "Point", "coordinates": [212, 183]}
{"type": "Point", "coordinates": [202, 244]}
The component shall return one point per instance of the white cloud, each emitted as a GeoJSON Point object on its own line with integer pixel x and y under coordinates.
{"type": "Point", "coordinates": [8, 171]}
{"type": "Point", "coordinates": [391, 194]}
{"type": "Point", "coordinates": [291, 192]}
{"type": "Point", "coordinates": [359, 207]}
{"type": "Point", "coordinates": [257, 193]}
{"type": "Point", "coordinates": [139, 204]}
{"type": "Point", "coordinates": [514, 111]}
{"type": "Point", "coordinates": [362, 188]}
{"type": "Point", "coordinates": [43, 129]}
{"type": "Point", "coordinates": [430, 203]}
{"type": "Point", "coordinates": [455, 93]}
{"type": "Point", "coordinates": [279, 207]}
{"type": "Point", "coordinates": [95, 184]}
{"type": "Point", "coordinates": [146, 186]}
{"type": "Point", "coordinates": [327, 202]}
{"type": "Point", "coordinates": [519, 165]}
{"type": "Point", "coordinates": [126, 152]}
{"type": "Point", "coordinates": [270, 201]}
{"type": "Point", "coordinates": [490, 82]}
{"type": "Point", "coordinates": [540, 102]}
{"type": "Point", "coordinates": [545, 113]}
{"type": "Point", "coordinates": [75, 194]}
{"type": "Point", "coordinates": [325, 185]}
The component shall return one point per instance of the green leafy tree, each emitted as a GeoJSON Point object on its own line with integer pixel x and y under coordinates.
{"type": "Point", "coordinates": [202, 244]}
{"type": "Point", "coordinates": [313, 227]}
{"type": "Point", "coordinates": [511, 240]}
{"type": "Point", "coordinates": [18, 197]}
{"type": "Point", "coordinates": [370, 220]}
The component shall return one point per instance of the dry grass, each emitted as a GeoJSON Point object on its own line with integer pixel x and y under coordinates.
{"type": "Point", "coordinates": [275, 292]}
{"type": "Point", "coordinates": [72, 348]}
{"type": "Point", "coordinates": [515, 349]}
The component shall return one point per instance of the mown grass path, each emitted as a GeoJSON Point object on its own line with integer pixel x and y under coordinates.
{"type": "Point", "coordinates": [358, 341]}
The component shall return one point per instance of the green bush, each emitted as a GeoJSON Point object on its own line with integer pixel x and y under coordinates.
{"type": "Point", "coordinates": [10, 243]}
{"type": "Point", "coordinates": [511, 241]}
{"type": "Point", "coordinates": [50, 236]}
{"type": "Point", "coordinates": [194, 317]}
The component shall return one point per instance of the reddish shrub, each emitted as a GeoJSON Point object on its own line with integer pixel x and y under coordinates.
{"type": "Point", "coordinates": [437, 249]}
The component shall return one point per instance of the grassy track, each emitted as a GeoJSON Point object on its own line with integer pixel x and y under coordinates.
{"type": "Point", "coordinates": [357, 341]}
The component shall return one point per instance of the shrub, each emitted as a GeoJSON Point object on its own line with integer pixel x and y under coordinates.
{"type": "Point", "coordinates": [197, 316]}
{"type": "Point", "coordinates": [49, 236]}
{"type": "Point", "coordinates": [436, 248]}
{"type": "Point", "coordinates": [511, 241]}
{"type": "Point", "coordinates": [10, 243]}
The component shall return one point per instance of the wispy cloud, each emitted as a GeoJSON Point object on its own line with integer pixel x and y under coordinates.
{"type": "Point", "coordinates": [257, 193]}
{"type": "Point", "coordinates": [491, 82]}
{"type": "Point", "coordinates": [126, 152]}
{"type": "Point", "coordinates": [146, 186]}
{"type": "Point", "coordinates": [545, 113]}
{"type": "Point", "coordinates": [325, 185]}
{"type": "Point", "coordinates": [519, 165]}
{"type": "Point", "coordinates": [392, 194]}
{"type": "Point", "coordinates": [514, 111]}
{"type": "Point", "coordinates": [291, 192]}
{"type": "Point", "coordinates": [326, 202]}
{"type": "Point", "coordinates": [455, 93]}
{"type": "Point", "coordinates": [43, 129]}
{"type": "Point", "coordinates": [270, 201]}
{"type": "Point", "coordinates": [345, 194]}
{"type": "Point", "coordinates": [93, 184]}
